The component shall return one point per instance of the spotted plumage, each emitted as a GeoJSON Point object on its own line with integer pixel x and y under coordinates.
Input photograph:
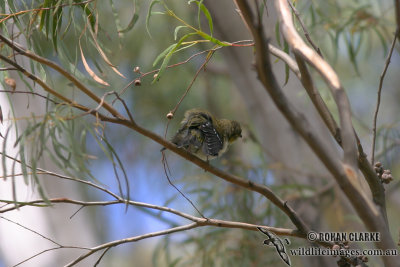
{"type": "Point", "coordinates": [204, 136]}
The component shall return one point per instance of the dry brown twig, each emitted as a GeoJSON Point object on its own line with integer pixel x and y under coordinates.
{"type": "Point", "coordinates": [306, 34]}
{"type": "Point", "coordinates": [197, 221]}
{"type": "Point", "coordinates": [378, 99]}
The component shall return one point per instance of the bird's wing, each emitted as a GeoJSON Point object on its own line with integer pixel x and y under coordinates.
{"type": "Point", "coordinates": [195, 120]}
{"type": "Point", "coordinates": [188, 137]}
{"type": "Point", "coordinates": [197, 131]}
{"type": "Point", "coordinates": [212, 139]}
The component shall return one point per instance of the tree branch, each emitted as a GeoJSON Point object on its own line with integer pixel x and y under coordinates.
{"type": "Point", "coordinates": [397, 15]}
{"type": "Point", "coordinates": [331, 79]}
{"type": "Point", "coordinates": [344, 174]}
{"type": "Point", "coordinates": [306, 34]}
{"type": "Point", "coordinates": [378, 99]}
{"type": "Point", "coordinates": [60, 70]}
{"type": "Point", "coordinates": [317, 100]}
{"type": "Point", "coordinates": [285, 58]}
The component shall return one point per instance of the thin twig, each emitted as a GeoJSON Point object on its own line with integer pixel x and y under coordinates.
{"type": "Point", "coordinates": [165, 166]}
{"type": "Point", "coordinates": [397, 15]}
{"type": "Point", "coordinates": [68, 101]}
{"type": "Point", "coordinates": [282, 55]}
{"type": "Point", "coordinates": [30, 93]}
{"type": "Point", "coordinates": [66, 177]}
{"type": "Point", "coordinates": [164, 158]}
{"type": "Point", "coordinates": [378, 100]}
{"type": "Point", "coordinates": [30, 230]}
{"type": "Point", "coordinates": [197, 222]}
{"type": "Point", "coordinates": [132, 239]}
{"type": "Point", "coordinates": [201, 220]}
{"type": "Point", "coordinates": [57, 68]}
{"type": "Point", "coordinates": [316, 99]}
{"type": "Point", "coordinates": [7, 69]}
{"type": "Point", "coordinates": [306, 34]}
{"type": "Point", "coordinates": [202, 67]}
{"type": "Point", "coordinates": [101, 256]}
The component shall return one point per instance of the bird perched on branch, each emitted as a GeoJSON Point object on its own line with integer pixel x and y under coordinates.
{"type": "Point", "coordinates": [205, 136]}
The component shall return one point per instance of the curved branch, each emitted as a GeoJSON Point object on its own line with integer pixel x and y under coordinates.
{"type": "Point", "coordinates": [306, 34]}
{"type": "Point", "coordinates": [201, 221]}
{"type": "Point", "coordinates": [378, 99]}
{"type": "Point", "coordinates": [298, 46]}
{"type": "Point", "coordinates": [317, 100]}
{"type": "Point", "coordinates": [132, 239]}
{"type": "Point", "coordinates": [285, 58]}
{"type": "Point", "coordinates": [60, 96]}
{"type": "Point", "coordinates": [344, 174]}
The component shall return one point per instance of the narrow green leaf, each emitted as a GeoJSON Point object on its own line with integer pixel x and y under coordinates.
{"type": "Point", "coordinates": [37, 182]}
{"type": "Point", "coordinates": [382, 40]}
{"type": "Point", "coordinates": [117, 20]}
{"type": "Point", "coordinates": [169, 55]}
{"type": "Point", "coordinates": [163, 53]}
{"type": "Point", "coordinates": [3, 155]}
{"type": "Point", "coordinates": [278, 34]}
{"type": "Point", "coordinates": [90, 16]}
{"type": "Point", "coordinates": [208, 16]}
{"type": "Point", "coordinates": [177, 30]}
{"type": "Point", "coordinates": [43, 14]}
{"type": "Point", "coordinates": [133, 20]}
{"type": "Point", "coordinates": [351, 52]}
{"type": "Point", "coordinates": [358, 42]}
{"type": "Point", "coordinates": [47, 22]}
{"type": "Point", "coordinates": [157, 13]}
{"type": "Point", "coordinates": [212, 39]}
{"type": "Point", "coordinates": [198, 14]}
{"type": "Point", "coordinates": [27, 132]}
{"type": "Point", "coordinates": [149, 13]}
{"type": "Point", "coordinates": [185, 47]}
{"type": "Point", "coordinates": [122, 169]}
{"type": "Point", "coordinates": [57, 20]}
{"type": "Point", "coordinates": [313, 19]}
{"type": "Point", "coordinates": [131, 24]}
{"type": "Point", "coordinates": [287, 72]}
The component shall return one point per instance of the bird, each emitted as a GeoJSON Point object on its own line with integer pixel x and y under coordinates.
{"type": "Point", "coordinates": [205, 136]}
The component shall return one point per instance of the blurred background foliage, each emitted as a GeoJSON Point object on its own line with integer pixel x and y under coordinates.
{"type": "Point", "coordinates": [353, 36]}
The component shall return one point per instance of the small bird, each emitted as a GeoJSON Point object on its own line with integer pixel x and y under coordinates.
{"type": "Point", "coordinates": [205, 136]}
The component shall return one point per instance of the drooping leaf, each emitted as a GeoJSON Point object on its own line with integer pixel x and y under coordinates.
{"type": "Point", "coordinates": [103, 55]}
{"type": "Point", "coordinates": [278, 34]}
{"type": "Point", "coordinates": [208, 16]}
{"type": "Point", "coordinates": [169, 55]}
{"type": "Point", "coordinates": [133, 20]}
{"type": "Point", "coordinates": [149, 13]}
{"type": "Point", "coordinates": [90, 71]}
{"type": "Point", "coordinates": [287, 72]}
{"type": "Point", "coordinates": [177, 30]}
{"type": "Point", "coordinates": [163, 54]}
